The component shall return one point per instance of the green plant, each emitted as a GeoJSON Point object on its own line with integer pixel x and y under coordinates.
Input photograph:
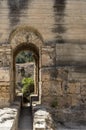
{"type": "Point", "coordinates": [28, 86]}
{"type": "Point", "coordinates": [24, 56]}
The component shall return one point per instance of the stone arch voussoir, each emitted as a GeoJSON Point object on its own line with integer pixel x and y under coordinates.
{"type": "Point", "coordinates": [25, 34]}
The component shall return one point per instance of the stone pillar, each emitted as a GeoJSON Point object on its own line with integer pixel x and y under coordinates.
{"type": "Point", "coordinates": [48, 71]}
{"type": "Point", "coordinates": [5, 86]}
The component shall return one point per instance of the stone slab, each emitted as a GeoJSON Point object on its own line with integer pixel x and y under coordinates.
{"type": "Point", "coordinates": [4, 75]}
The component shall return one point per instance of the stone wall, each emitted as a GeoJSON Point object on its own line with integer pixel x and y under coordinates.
{"type": "Point", "coordinates": [57, 21]}
{"type": "Point", "coordinates": [5, 80]}
{"type": "Point", "coordinates": [4, 94]}
{"type": "Point", "coordinates": [62, 25]}
{"type": "Point", "coordinates": [63, 73]}
{"type": "Point", "coordinates": [63, 82]}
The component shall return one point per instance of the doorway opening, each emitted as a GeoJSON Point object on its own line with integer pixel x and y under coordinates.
{"type": "Point", "coordinates": [26, 71]}
{"type": "Point", "coordinates": [25, 75]}
{"type": "Point", "coordinates": [25, 38]}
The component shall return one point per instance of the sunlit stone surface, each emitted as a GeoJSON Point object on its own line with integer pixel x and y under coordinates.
{"type": "Point", "coordinates": [58, 21]}
{"type": "Point", "coordinates": [54, 30]}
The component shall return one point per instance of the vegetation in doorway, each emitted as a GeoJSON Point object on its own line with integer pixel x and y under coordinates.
{"type": "Point", "coordinates": [24, 56]}
{"type": "Point", "coordinates": [28, 88]}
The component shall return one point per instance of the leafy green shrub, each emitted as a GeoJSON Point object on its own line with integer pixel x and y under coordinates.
{"type": "Point", "coordinates": [28, 86]}
{"type": "Point", "coordinates": [24, 56]}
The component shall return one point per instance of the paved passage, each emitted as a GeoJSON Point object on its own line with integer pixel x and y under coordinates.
{"type": "Point", "coordinates": [25, 121]}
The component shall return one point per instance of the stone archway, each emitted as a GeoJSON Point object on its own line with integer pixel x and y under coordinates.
{"type": "Point", "coordinates": [26, 38]}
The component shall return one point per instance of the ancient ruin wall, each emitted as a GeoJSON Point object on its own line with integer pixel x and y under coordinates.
{"type": "Point", "coordinates": [62, 26]}
{"type": "Point", "coordinates": [5, 80]}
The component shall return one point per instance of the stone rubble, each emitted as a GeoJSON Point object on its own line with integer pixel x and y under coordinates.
{"type": "Point", "coordinates": [43, 120]}
{"type": "Point", "coordinates": [9, 116]}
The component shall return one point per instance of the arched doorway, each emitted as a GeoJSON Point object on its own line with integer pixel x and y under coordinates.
{"type": "Point", "coordinates": [23, 39]}
{"type": "Point", "coordinates": [25, 76]}
{"type": "Point", "coordinates": [34, 50]}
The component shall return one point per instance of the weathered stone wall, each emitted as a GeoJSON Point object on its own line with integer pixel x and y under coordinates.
{"type": "Point", "coordinates": [64, 75]}
{"type": "Point", "coordinates": [5, 79]}
{"type": "Point", "coordinates": [58, 21]}
{"type": "Point", "coordinates": [63, 26]}
{"type": "Point", "coordinates": [64, 82]}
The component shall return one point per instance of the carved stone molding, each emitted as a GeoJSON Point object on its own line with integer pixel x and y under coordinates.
{"type": "Point", "coordinates": [25, 35]}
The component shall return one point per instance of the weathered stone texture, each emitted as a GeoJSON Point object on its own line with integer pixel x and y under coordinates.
{"type": "Point", "coordinates": [48, 56]}
{"type": "Point", "coordinates": [59, 48]}
{"type": "Point", "coordinates": [73, 88]}
{"type": "Point", "coordinates": [5, 80]}
{"type": "Point", "coordinates": [70, 54]}
{"type": "Point", "coordinates": [48, 73]}
{"type": "Point", "coordinates": [4, 94]}
{"type": "Point", "coordinates": [9, 116]}
{"type": "Point", "coordinates": [83, 89]}
{"type": "Point", "coordinates": [43, 120]}
{"type": "Point", "coordinates": [57, 21]}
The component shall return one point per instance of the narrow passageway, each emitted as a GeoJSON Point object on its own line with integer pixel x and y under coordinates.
{"type": "Point", "coordinates": [25, 120]}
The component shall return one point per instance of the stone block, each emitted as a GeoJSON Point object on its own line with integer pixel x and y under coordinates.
{"type": "Point", "coordinates": [48, 56]}
{"type": "Point", "coordinates": [83, 89]}
{"type": "Point", "coordinates": [73, 88]}
{"type": "Point", "coordinates": [64, 101]}
{"type": "Point", "coordinates": [77, 74]}
{"type": "Point", "coordinates": [75, 99]}
{"type": "Point", "coordinates": [56, 88]}
{"type": "Point", "coordinates": [83, 99]}
{"type": "Point", "coordinates": [6, 95]}
{"type": "Point", "coordinates": [70, 54]}
{"type": "Point", "coordinates": [4, 75]}
{"type": "Point", "coordinates": [48, 74]}
{"type": "Point", "coordinates": [52, 88]}
{"type": "Point", "coordinates": [4, 102]}
{"type": "Point", "coordinates": [62, 73]}
{"type": "Point", "coordinates": [43, 120]}
{"type": "Point", "coordinates": [47, 100]}
{"type": "Point", "coordinates": [55, 101]}
{"type": "Point", "coordinates": [4, 89]}
{"type": "Point", "coordinates": [45, 74]}
{"type": "Point", "coordinates": [45, 88]}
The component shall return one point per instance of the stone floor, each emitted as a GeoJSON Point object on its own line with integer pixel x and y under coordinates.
{"type": "Point", "coordinates": [25, 121]}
